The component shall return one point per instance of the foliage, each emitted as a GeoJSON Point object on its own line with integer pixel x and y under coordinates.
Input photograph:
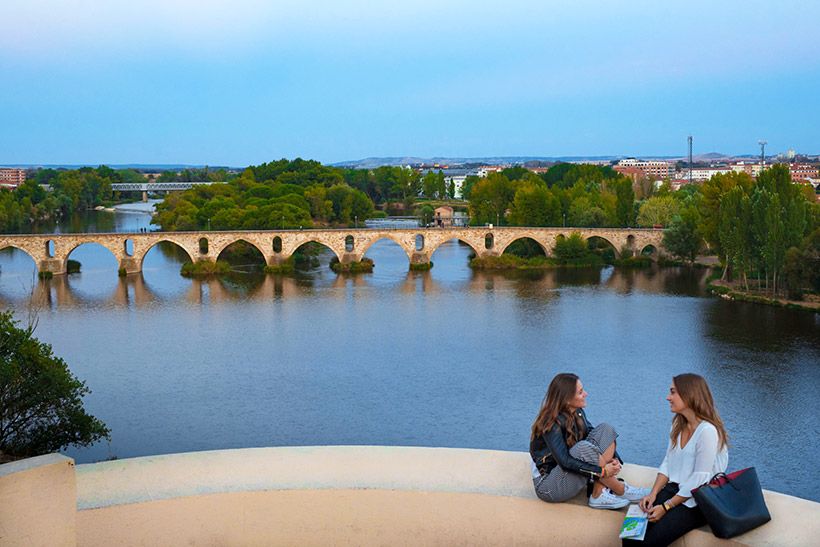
{"type": "Point", "coordinates": [571, 248]}
{"type": "Point", "coordinates": [72, 266]}
{"type": "Point", "coordinates": [365, 265]}
{"type": "Point", "coordinates": [291, 194]}
{"type": "Point", "coordinates": [41, 407]}
{"type": "Point", "coordinates": [421, 266]}
{"type": "Point", "coordinates": [203, 268]}
{"type": "Point", "coordinates": [801, 268]}
{"type": "Point", "coordinates": [682, 238]}
{"type": "Point", "coordinates": [658, 211]}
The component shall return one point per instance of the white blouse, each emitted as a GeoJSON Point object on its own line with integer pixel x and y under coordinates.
{"type": "Point", "coordinates": [697, 462]}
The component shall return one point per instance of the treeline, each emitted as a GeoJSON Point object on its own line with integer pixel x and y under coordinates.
{"type": "Point", "coordinates": [566, 194]}
{"type": "Point", "coordinates": [766, 231]}
{"type": "Point", "coordinates": [280, 194]}
{"type": "Point", "coordinates": [71, 190]}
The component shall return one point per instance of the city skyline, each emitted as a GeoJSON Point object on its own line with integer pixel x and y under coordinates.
{"type": "Point", "coordinates": [198, 83]}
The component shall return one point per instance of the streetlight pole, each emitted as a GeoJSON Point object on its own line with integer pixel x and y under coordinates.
{"type": "Point", "coordinates": [357, 221]}
{"type": "Point", "coordinates": [283, 222]}
{"type": "Point", "coordinates": [497, 219]}
{"type": "Point", "coordinates": [209, 224]}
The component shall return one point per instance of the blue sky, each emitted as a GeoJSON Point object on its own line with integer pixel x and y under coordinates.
{"type": "Point", "coordinates": [247, 81]}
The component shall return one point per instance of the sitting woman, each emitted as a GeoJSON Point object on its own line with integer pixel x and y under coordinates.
{"type": "Point", "coordinates": [697, 451]}
{"type": "Point", "coordinates": [568, 453]}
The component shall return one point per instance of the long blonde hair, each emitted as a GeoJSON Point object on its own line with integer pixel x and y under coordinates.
{"type": "Point", "coordinates": [695, 393]}
{"type": "Point", "coordinates": [556, 401]}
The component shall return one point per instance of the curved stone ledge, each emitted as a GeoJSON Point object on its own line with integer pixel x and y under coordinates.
{"type": "Point", "coordinates": [360, 495]}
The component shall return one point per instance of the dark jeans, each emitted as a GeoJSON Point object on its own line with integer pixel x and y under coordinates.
{"type": "Point", "coordinates": [672, 525]}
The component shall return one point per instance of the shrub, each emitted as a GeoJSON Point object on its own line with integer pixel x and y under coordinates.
{"type": "Point", "coordinates": [421, 266]}
{"type": "Point", "coordinates": [364, 266]}
{"type": "Point", "coordinates": [72, 266]}
{"type": "Point", "coordinates": [203, 268]}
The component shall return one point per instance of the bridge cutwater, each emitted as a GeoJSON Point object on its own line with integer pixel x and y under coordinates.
{"type": "Point", "coordinates": [51, 251]}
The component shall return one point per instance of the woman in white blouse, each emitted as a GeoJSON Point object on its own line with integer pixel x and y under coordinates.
{"type": "Point", "coordinates": [697, 451]}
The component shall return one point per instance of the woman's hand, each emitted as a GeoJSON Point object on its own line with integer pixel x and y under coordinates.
{"type": "Point", "coordinates": [656, 513]}
{"type": "Point", "coordinates": [613, 467]}
{"type": "Point", "coordinates": [646, 502]}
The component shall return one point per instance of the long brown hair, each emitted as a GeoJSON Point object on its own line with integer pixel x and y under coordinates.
{"type": "Point", "coordinates": [694, 391]}
{"type": "Point", "coordinates": [556, 401]}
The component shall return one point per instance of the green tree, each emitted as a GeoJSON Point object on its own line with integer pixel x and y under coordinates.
{"type": "Point", "coordinates": [625, 201]}
{"type": "Point", "coordinates": [682, 238]}
{"type": "Point", "coordinates": [658, 211]}
{"type": "Point", "coordinates": [490, 198]}
{"type": "Point", "coordinates": [41, 407]}
{"type": "Point", "coordinates": [535, 205]}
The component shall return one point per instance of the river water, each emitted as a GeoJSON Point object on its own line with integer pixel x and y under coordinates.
{"type": "Point", "coordinates": [449, 357]}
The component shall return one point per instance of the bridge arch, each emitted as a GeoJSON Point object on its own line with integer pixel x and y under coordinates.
{"type": "Point", "coordinates": [318, 241]}
{"type": "Point", "coordinates": [165, 240]}
{"type": "Point", "coordinates": [595, 240]}
{"type": "Point", "coordinates": [547, 251]}
{"type": "Point", "coordinates": [21, 249]}
{"type": "Point", "coordinates": [114, 250]}
{"type": "Point", "coordinates": [478, 252]}
{"type": "Point", "coordinates": [402, 244]}
{"type": "Point", "coordinates": [217, 251]}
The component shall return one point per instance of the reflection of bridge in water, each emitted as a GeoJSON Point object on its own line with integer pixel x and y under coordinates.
{"type": "Point", "coordinates": [50, 252]}
{"type": "Point", "coordinates": [545, 285]}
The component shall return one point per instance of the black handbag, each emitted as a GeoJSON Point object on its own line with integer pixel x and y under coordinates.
{"type": "Point", "coordinates": [733, 503]}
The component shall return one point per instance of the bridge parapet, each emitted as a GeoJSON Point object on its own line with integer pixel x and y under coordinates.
{"type": "Point", "coordinates": [50, 252]}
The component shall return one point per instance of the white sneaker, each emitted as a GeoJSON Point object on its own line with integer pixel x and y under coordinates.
{"type": "Point", "coordinates": [634, 493]}
{"type": "Point", "coordinates": [608, 500]}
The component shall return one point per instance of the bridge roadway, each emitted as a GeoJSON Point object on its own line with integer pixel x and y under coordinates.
{"type": "Point", "coordinates": [51, 251]}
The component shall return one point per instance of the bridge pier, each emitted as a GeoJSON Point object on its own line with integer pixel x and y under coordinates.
{"type": "Point", "coordinates": [418, 258]}
{"type": "Point", "coordinates": [130, 265]}
{"type": "Point", "coordinates": [53, 265]}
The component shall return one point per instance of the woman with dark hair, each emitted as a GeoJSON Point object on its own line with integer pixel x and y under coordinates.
{"type": "Point", "coordinates": [697, 451]}
{"type": "Point", "coordinates": [568, 453]}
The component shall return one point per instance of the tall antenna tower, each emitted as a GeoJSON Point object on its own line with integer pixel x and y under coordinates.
{"type": "Point", "coordinates": [762, 154]}
{"type": "Point", "coordinates": [689, 138]}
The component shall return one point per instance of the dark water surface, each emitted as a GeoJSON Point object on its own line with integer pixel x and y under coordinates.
{"type": "Point", "coordinates": [441, 358]}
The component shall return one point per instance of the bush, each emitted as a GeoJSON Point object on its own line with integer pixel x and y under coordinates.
{"type": "Point", "coordinates": [45, 274]}
{"type": "Point", "coordinates": [571, 248]}
{"type": "Point", "coordinates": [203, 268]}
{"type": "Point", "coordinates": [122, 272]}
{"type": "Point", "coordinates": [286, 267]}
{"type": "Point", "coordinates": [421, 266]}
{"type": "Point", "coordinates": [42, 409]}
{"type": "Point", "coordinates": [364, 266]}
{"type": "Point", "coordinates": [72, 266]}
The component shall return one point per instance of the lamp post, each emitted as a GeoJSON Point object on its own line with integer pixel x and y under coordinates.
{"type": "Point", "coordinates": [497, 218]}
{"type": "Point", "coordinates": [283, 222]}
{"type": "Point", "coordinates": [209, 224]}
{"type": "Point", "coordinates": [565, 219]}
{"type": "Point", "coordinates": [357, 221]}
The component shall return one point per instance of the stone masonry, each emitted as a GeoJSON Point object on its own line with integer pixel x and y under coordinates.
{"type": "Point", "coordinates": [50, 252]}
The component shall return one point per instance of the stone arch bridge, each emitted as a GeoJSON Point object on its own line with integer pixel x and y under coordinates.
{"type": "Point", "coordinates": [50, 252]}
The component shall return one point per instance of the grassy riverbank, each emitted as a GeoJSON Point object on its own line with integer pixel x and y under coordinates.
{"type": "Point", "coordinates": [730, 291]}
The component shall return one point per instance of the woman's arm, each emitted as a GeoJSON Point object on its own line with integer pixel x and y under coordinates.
{"type": "Point", "coordinates": [558, 447]}
{"type": "Point", "coordinates": [649, 500]}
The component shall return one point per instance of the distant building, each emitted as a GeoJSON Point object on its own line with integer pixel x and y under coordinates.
{"type": "Point", "coordinates": [702, 174]}
{"type": "Point", "coordinates": [11, 178]}
{"type": "Point", "coordinates": [485, 170]}
{"type": "Point", "coordinates": [657, 170]}
{"type": "Point", "coordinates": [752, 169]}
{"type": "Point", "coordinates": [632, 172]}
{"type": "Point", "coordinates": [803, 171]}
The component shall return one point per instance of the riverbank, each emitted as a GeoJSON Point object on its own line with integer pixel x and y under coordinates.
{"type": "Point", "coordinates": [729, 291]}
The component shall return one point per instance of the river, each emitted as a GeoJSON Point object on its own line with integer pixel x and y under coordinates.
{"type": "Point", "coordinates": [448, 357]}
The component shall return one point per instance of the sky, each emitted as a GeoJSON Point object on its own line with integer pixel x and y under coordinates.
{"type": "Point", "coordinates": [242, 82]}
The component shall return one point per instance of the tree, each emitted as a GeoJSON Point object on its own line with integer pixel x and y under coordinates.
{"type": "Point", "coordinates": [625, 199]}
{"type": "Point", "coordinates": [658, 211]}
{"type": "Point", "coordinates": [490, 198]}
{"type": "Point", "coordinates": [682, 237]}
{"type": "Point", "coordinates": [535, 206]}
{"type": "Point", "coordinates": [41, 407]}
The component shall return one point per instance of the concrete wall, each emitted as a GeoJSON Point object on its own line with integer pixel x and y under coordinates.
{"type": "Point", "coordinates": [354, 495]}
{"type": "Point", "coordinates": [38, 502]}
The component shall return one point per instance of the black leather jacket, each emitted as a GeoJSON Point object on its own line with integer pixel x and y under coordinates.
{"type": "Point", "coordinates": [551, 449]}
